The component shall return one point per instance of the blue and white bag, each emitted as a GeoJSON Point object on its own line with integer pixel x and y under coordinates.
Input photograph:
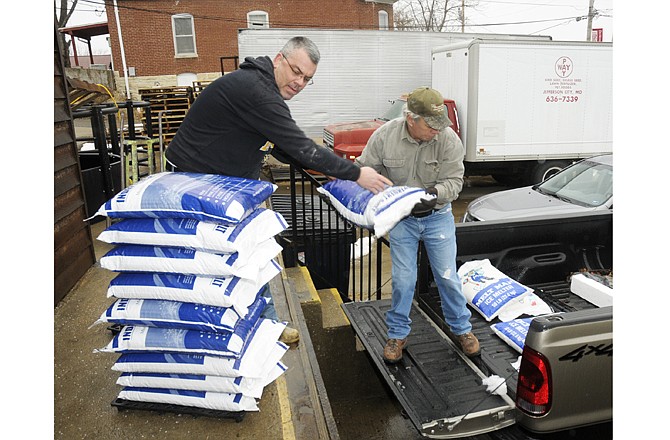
{"type": "Point", "coordinates": [235, 292]}
{"type": "Point", "coordinates": [381, 211]}
{"type": "Point", "coordinates": [487, 289]}
{"type": "Point", "coordinates": [175, 314]}
{"type": "Point", "coordinates": [199, 399]}
{"type": "Point", "coordinates": [513, 332]}
{"type": "Point", "coordinates": [252, 387]}
{"type": "Point", "coordinates": [351, 200]}
{"type": "Point", "coordinates": [141, 258]}
{"type": "Point", "coordinates": [208, 197]}
{"type": "Point", "coordinates": [259, 357]}
{"type": "Point", "coordinates": [142, 338]}
{"type": "Point", "coordinates": [205, 236]}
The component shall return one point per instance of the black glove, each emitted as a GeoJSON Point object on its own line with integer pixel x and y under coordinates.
{"type": "Point", "coordinates": [426, 205]}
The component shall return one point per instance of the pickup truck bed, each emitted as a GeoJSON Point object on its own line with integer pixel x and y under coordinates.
{"type": "Point", "coordinates": [440, 389]}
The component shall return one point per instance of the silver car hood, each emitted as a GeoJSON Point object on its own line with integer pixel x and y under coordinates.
{"type": "Point", "coordinates": [520, 202]}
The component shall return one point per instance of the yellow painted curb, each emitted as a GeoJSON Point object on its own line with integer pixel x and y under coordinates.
{"type": "Point", "coordinates": [288, 433]}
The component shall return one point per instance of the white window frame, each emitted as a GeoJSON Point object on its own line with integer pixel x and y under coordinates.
{"type": "Point", "coordinates": [177, 54]}
{"type": "Point", "coordinates": [383, 20]}
{"type": "Point", "coordinates": [264, 25]}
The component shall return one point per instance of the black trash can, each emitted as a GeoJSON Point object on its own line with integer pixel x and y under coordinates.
{"type": "Point", "coordinates": [322, 243]}
{"type": "Point", "coordinates": [93, 181]}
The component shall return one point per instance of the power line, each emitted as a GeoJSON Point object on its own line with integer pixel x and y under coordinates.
{"type": "Point", "coordinates": [242, 21]}
{"type": "Point", "coordinates": [534, 4]}
{"type": "Point", "coordinates": [581, 17]}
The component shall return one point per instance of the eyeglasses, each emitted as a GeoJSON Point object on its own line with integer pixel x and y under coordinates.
{"type": "Point", "coordinates": [297, 72]}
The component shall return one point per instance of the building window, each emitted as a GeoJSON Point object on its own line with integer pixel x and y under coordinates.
{"type": "Point", "coordinates": [383, 20]}
{"type": "Point", "coordinates": [183, 33]}
{"type": "Point", "coordinates": [258, 20]}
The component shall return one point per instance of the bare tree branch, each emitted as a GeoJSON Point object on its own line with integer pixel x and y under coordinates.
{"type": "Point", "coordinates": [61, 20]}
{"type": "Point", "coordinates": [431, 15]}
{"type": "Point", "coordinates": [65, 13]}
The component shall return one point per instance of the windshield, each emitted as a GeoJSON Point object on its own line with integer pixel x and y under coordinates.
{"type": "Point", "coordinates": [395, 111]}
{"type": "Point", "coordinates": [584, 183]}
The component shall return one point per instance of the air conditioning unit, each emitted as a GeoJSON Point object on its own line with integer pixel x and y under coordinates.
{"type": "Point", "coordinates": [98, 66]}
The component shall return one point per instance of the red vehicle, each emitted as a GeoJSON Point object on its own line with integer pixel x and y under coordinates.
{"type": "Point", "coordinates": [348, 139]}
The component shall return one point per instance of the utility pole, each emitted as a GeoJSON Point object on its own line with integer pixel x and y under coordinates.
{"type": "Point", "coordinates": [462, 16]}
{"type": "Point", "coordinates": [589, 24]}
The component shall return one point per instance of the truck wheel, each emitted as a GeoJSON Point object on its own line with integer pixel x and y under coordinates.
{"type": "Point", "coordinates": [546, 169]}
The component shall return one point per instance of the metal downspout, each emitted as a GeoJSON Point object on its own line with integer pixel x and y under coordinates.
{"type": "Point", "coordinates": [123, 52]}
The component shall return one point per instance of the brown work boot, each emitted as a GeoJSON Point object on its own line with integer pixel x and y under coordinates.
{"type": "Point", "coordinates": [393, 350]}
{"type": "Point", "coordinates": [289, 336]}
{"type": "Point", "coordinates": [469, 344]}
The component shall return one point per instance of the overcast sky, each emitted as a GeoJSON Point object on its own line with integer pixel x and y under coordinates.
{"type": "Point", "coordinates": [557, 18]}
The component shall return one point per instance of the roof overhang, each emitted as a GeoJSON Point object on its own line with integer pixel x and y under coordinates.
{"type": "Point", "coordinates": [86, 31]}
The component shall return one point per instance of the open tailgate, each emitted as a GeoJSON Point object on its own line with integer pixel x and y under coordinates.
{"type": "Point", "coordinates": [438, 386]}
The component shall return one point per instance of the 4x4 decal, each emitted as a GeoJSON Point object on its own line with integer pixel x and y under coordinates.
{"type": "Point", "coordinates": [587, 350]}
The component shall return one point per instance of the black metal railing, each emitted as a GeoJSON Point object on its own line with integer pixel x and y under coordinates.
{"type": "Point", "coordinates": [337, 253]}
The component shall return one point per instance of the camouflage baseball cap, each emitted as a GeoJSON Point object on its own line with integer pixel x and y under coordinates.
{"type": "Point", "coordinates": [429, 104]}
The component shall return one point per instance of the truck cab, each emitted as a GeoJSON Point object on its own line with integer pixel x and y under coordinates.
{"type": "Point", "coordinates": [347, 139]}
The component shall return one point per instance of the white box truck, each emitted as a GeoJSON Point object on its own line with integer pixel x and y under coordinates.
{"type": "Point", "coordinates": [527, 109]}
{"type": "Point", "coordinates": [360, 70]}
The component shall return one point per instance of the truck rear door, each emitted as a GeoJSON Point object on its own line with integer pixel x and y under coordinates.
{"type": "Point", "coordinates": [438, 386]}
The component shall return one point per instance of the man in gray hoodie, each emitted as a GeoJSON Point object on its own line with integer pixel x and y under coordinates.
{"type": "Point", "coordinates": [241, 117]}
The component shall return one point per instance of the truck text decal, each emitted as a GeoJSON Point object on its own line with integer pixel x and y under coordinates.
{"type": "Point", "coordinates": [586, 350]}
{"type": "Point", "coordinates": [562, 88]}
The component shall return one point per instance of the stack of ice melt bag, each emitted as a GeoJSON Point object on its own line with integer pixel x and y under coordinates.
{"type": "Point", "coordinates": [193, 252]}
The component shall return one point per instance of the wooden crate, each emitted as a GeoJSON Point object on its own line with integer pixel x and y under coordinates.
{"type": "Point", "coordinates": [170, 104]}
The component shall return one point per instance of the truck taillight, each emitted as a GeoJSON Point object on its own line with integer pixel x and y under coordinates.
{"type": "Point", "coordinates": [533, 394]}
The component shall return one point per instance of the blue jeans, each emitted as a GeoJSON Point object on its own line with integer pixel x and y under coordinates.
{"type": "Point", "coordinates": [438, 234]}
{"type": "Point", "coordinates": [269, 311]}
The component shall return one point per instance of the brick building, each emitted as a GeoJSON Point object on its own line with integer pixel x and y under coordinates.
{"type": "Point", "coordinates": [171, 42]}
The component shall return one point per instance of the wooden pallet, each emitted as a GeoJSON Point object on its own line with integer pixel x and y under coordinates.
{"type": "Point", "coordinates": [170, 104]}
{"type": "Point", "coordinates": [199, 86]}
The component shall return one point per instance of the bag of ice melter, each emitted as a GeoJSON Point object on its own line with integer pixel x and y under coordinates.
{"type": "Point", "coordinates": [513, 332]}
{"type": "Point", "coordinates": [209, 197]}
{"type": "Point", "coordinates": [261, 353]}
{"type": "Point", "coordinates": [230, 291]}
{"type": "Point", "coordinates": [196, 382]}
{"type": "Point", "coordinates": [381, 211]}
{"type": "Point", "coordinates": [351, 200]}
{"type": "Point", "coordinates": [199, 399]}
{"type": "Point", "coordinates": [252, 387]}
{"type": "Point", "coordinates": [531, 305]}
{"type": "Point", "coordinates": [175, 314]}
{"type": "Point", "coordinates": [262, 224]}
{"type": "Point", "coordinates": [487, 289]}
{"type": "Point", "coordinates": [143, 338]}
{"type": "Point", "coordinates": [143, 258]}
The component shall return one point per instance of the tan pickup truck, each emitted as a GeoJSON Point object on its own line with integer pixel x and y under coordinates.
{"type": "Point", "coordinates": [564, 378]}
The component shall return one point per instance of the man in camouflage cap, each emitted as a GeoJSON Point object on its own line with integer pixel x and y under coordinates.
{"type": "Point", "coordinates": [429, 104]}
{"type": "Point", "coordinates": [421, 150]}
